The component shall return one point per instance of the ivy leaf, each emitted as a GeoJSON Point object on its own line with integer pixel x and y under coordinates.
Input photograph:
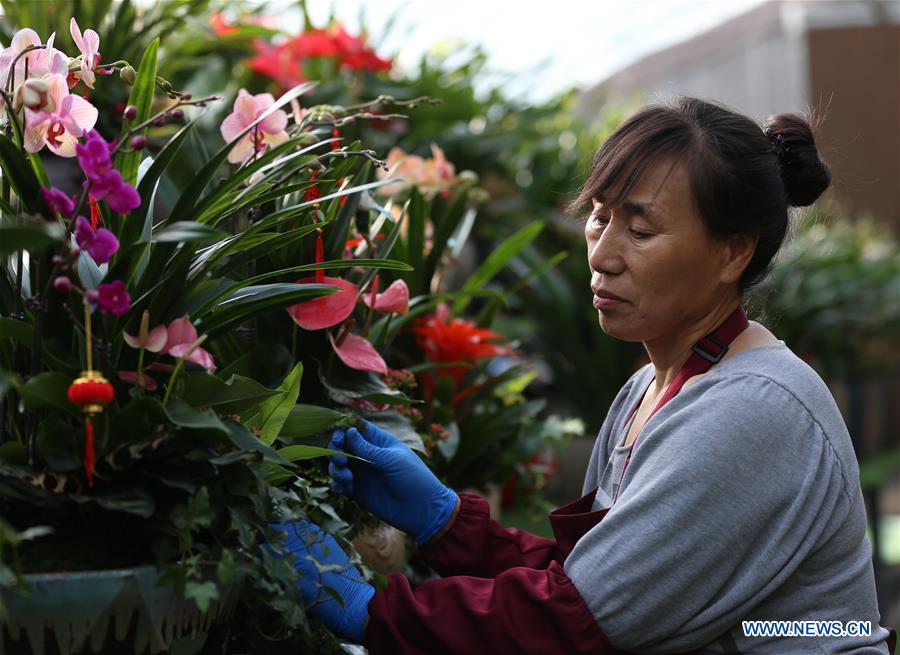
{"type": "Point", "coordinates": [202, 593]}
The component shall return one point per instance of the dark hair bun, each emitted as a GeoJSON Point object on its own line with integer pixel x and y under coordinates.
{"type": "Point", "coordinates": [804, 173]}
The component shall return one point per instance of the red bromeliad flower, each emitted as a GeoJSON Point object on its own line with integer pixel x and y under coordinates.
{"type": "Point", "coordinates": [446, 339]}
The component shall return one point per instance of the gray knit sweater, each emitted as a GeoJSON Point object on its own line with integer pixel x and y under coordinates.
{"type": "Point", "coordinates": [741, 502]}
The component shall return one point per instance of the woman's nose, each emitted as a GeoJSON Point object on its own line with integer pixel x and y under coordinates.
{"type": "Point", "coordinates": [605, 253]}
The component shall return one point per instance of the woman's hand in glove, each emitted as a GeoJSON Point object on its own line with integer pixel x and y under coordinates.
{"type": "Point", "coordinates": [396, 486]}
{"type": "Point", "coordinates": [322, 563]}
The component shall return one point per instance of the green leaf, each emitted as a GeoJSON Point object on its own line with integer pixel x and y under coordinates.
{"type": "Point", "coordinates": [185, 416]}
{"type": "Point", "coordinates": [232, 397]}
{"type": "Point", "coordinates": [17, 169]}
{"type": "Point", "coordinates": [186, 231]}
{"type": "Point", "coordinates": [33, 236]}
{"type": "Point", "coordinates": [47, 390]}
{"type": "Point", "coordinates": [13, 452]}
{"type": "Point", "coordinates": [274, 411]}
{"type": "Point", "coordinates": [301, 452]}
{"type": "Point", "coordinates": [307, 420]}
{"type": "Point", "coordinates": [186, 205]}
{"type": "Point", "coordinates": [202, 593]}
{"type": "Point", "coordinates": [11, 328]}
{"type": "Point", "coordinates": [132, 229]}
{"type": "Point", "coordinates": [134, 500]}
{"type": "Point", "coordinates": [495, 262]}
{"type": "Point", "coordinates": [142, 98]}
{"type": "Point", "coordinates": [243, 439]}
{"type": "Point", "coordinates": [254, 301]}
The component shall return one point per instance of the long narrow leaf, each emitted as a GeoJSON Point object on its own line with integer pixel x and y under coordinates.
{"type": "Point", "coordinates": [141, 97]}
{"type": "Point", "coordinates": [498, 258]}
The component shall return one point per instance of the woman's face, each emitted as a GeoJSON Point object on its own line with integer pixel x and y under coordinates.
{"type": "Point", "coordinates": [655, 272]}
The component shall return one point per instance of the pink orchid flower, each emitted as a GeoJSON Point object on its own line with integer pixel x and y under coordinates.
{"type": "Point", "coordinates": [42, 62]}
{"type": "Point", "coordinates": [60, 122]}
{"type": "Point", "coordinates": [269, 133]}
{"type": "Point", "coordinates": [89, 45]}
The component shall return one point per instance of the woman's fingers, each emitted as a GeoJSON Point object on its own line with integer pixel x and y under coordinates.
{"type": "Point", "coordinates": [341, 474]}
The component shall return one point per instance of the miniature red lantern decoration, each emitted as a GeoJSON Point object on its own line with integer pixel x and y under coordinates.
{"type": "Point", "coordinates": [91, 392]}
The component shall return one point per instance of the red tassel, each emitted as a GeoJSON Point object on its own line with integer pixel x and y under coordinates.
{"type": "Point", "coordinates": [89, 451]}
{"type": "Point", "coordinates": [335, 144]}
{"type": "Point", "coordinates": [320, 257]}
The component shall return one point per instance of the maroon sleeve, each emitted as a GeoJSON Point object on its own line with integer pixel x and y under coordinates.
{"type": "Point", "coordinates": [477, 545]}
{"type": "Point", "coordinates": [520, 611]}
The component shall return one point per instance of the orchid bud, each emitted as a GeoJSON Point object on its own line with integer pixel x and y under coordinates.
{"type": "Point", "coordinates": [91, 295]}
{"type": "Point", "coordinates": [468, 177]}
{"type": "Point", "coordinates": [33, 94]}
{"type": "Point", "coordinates": [128, 75]}
{"type": "Point", "coordinates": [186, 96]}
{"type": "Point", "coordinates": [130, 112]}
{"type": "Point", "coordinates": [62, 284]}
{"type": "Point", "coordinates": [177, 114]}
{"type": "Point", "coordinates": [307, 139]}
{"type": "Point", "coordinates": [139, 142]}
{"type": "Point", "coordinates": [159, 121]}
{"type": "Point", "coordinates": [316, 165]}
{"type": "Point", "coordinates": [60, 262]}
{"type": "Point", "coordinates": [479, 196]}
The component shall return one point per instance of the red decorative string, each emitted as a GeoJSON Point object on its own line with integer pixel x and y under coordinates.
{"type": "Point", "coordinates": [335, 144]}
{"type": "Point", "coordinates": [95, 212]}
{"type": "Point", "coordinates": [89, 460]}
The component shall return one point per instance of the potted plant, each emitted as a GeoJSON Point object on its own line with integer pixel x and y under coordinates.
{"type": "Point", "coordinates": [137, 466]}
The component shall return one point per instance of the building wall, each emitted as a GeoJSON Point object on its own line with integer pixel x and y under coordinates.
{"type": "Point", "coordinates": [840, 59]}
{"type": "Point", "coordinates": [857, 70]}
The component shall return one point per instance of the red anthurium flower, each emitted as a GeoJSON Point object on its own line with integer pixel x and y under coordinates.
{"type": "Point", "coordinates": [394, 299]}
{"type": "Point", "coordinates": [356, 352]}
{"type": "Point", "coordinates": [320, 313]}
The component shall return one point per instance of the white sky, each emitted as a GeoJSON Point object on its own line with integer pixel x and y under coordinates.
{"type": "Point", "coordinates": [545, 45]}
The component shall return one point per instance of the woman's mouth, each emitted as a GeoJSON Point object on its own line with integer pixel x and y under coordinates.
{"type": "Point", "coordinates": [606, 300]}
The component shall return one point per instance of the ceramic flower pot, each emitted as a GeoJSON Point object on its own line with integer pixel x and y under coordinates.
{"type": "Point", "coordinates": [115, 611]}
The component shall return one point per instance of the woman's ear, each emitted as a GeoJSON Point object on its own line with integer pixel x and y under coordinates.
{"type": "Point", "coordinates": [736, 255]}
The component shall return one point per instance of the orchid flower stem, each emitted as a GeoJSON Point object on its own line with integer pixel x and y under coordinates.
{"type": "Point", "coordinates": [8, 85]}
{"type": "Point", "coordinates": [81, 200]}
{"type": "Point", "coordinates": [87, 335]}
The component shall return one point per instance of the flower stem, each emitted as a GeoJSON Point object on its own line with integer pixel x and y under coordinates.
{"type": "Point", "coordinates": [178, 367]}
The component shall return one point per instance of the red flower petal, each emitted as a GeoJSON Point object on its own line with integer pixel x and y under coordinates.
{"type": "Point", "coordinates": [326, 311]}
{"type": "Point", "coordinates": [356, 352]}
{"type": "Point", "coordinates": [394, 299]}
{"type": "Point", "coordinates": [131, 378]}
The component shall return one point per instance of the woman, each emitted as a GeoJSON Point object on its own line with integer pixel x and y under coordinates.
{"type": "Point", "coordinates": [722, 488]}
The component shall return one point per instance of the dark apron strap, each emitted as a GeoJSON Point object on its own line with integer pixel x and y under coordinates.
{"type": "Point", "coordinates": [706, 352]}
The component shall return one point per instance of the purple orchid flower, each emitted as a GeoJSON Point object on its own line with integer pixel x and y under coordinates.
{"type": "Point", "coordinates": [58, 201]}
{"type": "Point", "coordinates": [100, 245]}
{"type": "Point", "coordinates": [113, 298]}
{"type": "Point", "coordinates": [94, 157]}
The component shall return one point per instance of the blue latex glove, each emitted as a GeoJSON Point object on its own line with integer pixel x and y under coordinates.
{"type": "Point", "coordinates": [322, 563]}
{"type": "Point", "coordinates": [397, 486]}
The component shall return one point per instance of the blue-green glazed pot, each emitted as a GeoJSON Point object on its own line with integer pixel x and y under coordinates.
{"type": "Point", "coordinates": [115, 611]}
